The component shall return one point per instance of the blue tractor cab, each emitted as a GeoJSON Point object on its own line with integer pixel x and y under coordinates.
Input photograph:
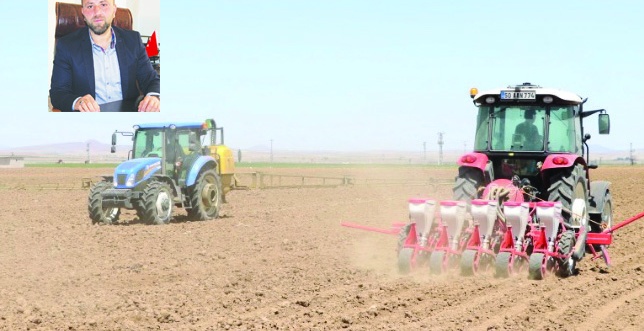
{"type": "Point", "coordinates": [167, 167]}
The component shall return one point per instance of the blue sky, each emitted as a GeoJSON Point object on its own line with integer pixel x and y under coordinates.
{"type": "Point", "coordinates": [346, 75]}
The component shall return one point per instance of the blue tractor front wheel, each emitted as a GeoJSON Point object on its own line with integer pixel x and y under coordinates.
{"type": "Point", "coordinates": [97, 213]}
{"type": "Point", "coordinates": [157, 203]}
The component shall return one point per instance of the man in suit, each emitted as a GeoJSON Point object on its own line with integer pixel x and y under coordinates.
{"type": "Point", "coordinates": [101, 63]}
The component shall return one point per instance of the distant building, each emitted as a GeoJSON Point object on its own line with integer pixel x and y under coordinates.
{"type": "Point", "coordinates": [12, 161]}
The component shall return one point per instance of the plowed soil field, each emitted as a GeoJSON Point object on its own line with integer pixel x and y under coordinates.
{"type": "Point", "coordinates": [279, 259]}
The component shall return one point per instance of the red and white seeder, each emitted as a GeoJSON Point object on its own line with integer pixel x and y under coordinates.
{"type": "Point", "coordinates": [523, 200]}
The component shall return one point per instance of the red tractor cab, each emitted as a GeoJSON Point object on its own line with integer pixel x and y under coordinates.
{"type": "Point", "coordinates": [532, 140]}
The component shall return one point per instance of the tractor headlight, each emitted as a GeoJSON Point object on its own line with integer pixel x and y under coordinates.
{"type": "Point", "coordinates": [130, 180]}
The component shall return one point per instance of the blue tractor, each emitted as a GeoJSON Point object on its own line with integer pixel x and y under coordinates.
{"type": "Point", "coordinates": [167, 167]}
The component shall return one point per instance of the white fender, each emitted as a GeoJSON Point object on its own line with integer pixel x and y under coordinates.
{"type": "Point", "coordinates": [579, 218]}
{"type": "Point", "coordinates": [549, 214]}
{"type": "Point", "coordinates": [421, 212]}
{"type": "Point", "coordinates": [579, 215]}
{"type": "Point", "coordinates": [516, 215]}
{"type": "Point", "coordinates": [453, 216]}
{"type": "Point", "coordinates": [484, 214]}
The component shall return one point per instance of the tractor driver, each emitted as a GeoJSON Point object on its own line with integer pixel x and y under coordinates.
{"type": "Point", "coordinates": [529, 131]}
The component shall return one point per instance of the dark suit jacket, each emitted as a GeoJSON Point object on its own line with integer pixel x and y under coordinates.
{"type": "Point", "coordinates": [73, 74]}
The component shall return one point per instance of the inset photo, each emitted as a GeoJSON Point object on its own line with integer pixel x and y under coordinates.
{"type": "Point", "coordinates": [104, 56]}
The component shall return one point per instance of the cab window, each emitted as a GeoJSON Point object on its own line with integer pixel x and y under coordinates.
{"type": "Point", "coordinates": [562, 137]}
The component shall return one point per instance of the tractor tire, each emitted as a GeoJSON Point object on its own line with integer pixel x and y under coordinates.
{"type": "Point", "coordinates": [402, 236]}
{"type": "Point", "coordinates": [469, 264]}
{"type": "Point", "coordinates": [436, 262]}
{"type": "Point", "coordinates": [205, 197]}
{"type": "Point", "coordinates": [502, 264]}
{"type": "Point", "coordinates": [404, 260]}
{"type": "Point", "coordinates": [468, 182]}
{"type": "Point", "coordinates": [97, 213]}
{"type": "Point", "coordinates": [536, 267]}
{"type": "Point", "coordinates": [565, 247]}
{"type": "Point", "coordinates": [157, 203]}
{"type": "Point", "coordinates": [140, 210]}
{"type": "Point", "coordinates": [605, 220]}
{"type": "Point", "coordinates": [568, 185]}
{"type": "Point", "coordinates": [404, 254]}
{"type": "Point", "coordinates": [599, 224]}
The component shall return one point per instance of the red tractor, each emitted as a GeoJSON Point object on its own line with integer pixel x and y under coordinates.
{"type": "Point", "coordinates": [531, 146]}
{"type": "Point", "coordinates": [523, 198]}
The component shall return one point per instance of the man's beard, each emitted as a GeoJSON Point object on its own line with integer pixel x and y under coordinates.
{"type": "Point", "coordinates": [99, 30]}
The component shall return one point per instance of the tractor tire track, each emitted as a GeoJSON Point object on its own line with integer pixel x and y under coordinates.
{"type": "Point", "coordinates": [279, 259]}
{"type": "Point", "coordinates": [609, 309]}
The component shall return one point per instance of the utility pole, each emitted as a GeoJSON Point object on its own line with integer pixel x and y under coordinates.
{"type": "Point", "coordinates": [88, 160]}
{"type": "Point", "coordinates": [424, 152]}
{"type": "Point", "coordinates": [271, 150]}
{"type": "Point", "coordinates": [440, 148]}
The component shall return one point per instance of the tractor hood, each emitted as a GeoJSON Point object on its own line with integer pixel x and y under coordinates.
{"type": "Point", "coordinates": [132, 172]}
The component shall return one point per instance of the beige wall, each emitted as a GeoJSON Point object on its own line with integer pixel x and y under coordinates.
{"type": "Point", "coordinates": [145, 16]}
{"type": "Point", "coordinates": [12, 162]}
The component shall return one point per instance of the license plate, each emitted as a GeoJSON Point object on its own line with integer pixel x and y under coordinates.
{"type": "Point", "coordinates": [521, 95]}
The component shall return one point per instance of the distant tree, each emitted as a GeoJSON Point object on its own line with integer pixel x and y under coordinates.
{"type": "Point", "coordinates": [239, 155]}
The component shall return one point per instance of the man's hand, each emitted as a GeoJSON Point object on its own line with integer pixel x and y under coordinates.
{"type": "Point", "coordinates": [150, 103]}
{"type": "Point", "coordinates": [87, 103]}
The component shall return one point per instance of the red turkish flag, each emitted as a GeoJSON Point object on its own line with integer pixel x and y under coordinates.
{"type": "Point", "coordinates": [152, 48]}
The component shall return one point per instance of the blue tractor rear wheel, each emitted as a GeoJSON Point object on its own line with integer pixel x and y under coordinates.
{"type": "Point", "coordinates": [205, 196]}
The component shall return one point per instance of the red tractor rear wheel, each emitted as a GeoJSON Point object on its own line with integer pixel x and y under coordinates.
{"type": "Point", "coordinates": [567, 185]}
{"type": "Point", "coordinates": [467, 184]}
{"type": "Point", "coordinates": [600, 222]}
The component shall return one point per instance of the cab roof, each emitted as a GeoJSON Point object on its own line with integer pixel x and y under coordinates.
{"type": "Point", "coordinates": [539, 91]}
{"type": "Point", "coordinates": [178, 125]}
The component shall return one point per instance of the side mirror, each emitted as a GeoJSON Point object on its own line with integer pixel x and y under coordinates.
{"type": "Point", "coordinates": [604, 124]}
{"type": "Point", "coordinates": [113, 139]}
{"type": "Point", "coordinates": [113, 149]}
